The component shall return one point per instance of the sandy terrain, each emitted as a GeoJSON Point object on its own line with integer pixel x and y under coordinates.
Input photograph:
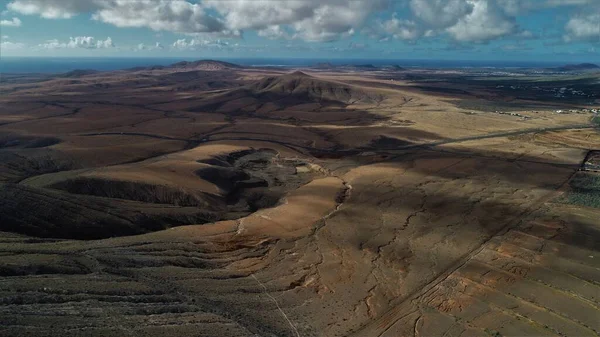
{"type": "Point", "coordinates": [210, 200]}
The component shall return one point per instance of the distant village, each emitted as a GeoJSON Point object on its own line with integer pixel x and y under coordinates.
{"type": "Point", "coordinates": [580, 111]}
{"type": "Point", "coordinates": [557, 92]}
{"type": "Point", "coordinates": [514, 114]}
{"type": "Point", "coordinates": [570, 111]}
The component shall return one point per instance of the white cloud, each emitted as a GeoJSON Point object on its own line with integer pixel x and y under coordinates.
{"type": "Point", "coordinates": [85, 42]}
{"type": "Point", "coordinates": [160, 15]}
{"type": "Point", "coordinates": [401, 29]}
{"type": "Point", "coordinates": [108, 43]}
{"type": "Point", "coordinates": [486, 22]}
{"type": "Point", "coordinates": [52, 44]}
{"type": "Point", "coordinates": [156, 46]}
{"type": "Point", "coordinates": [54, 9]}
{"type": "Point", "coordinates": [317, 20]}
{"type": "Point", "coordinates": [441, 13]}
{"type": "Point", "coordinates": [7, 45]}
{"type": "Point", "coordinates": [329, 23]}
{"type": "Point", "coordinates": [311, 20]}
{"type": "Point", "coordinates": [242, 14]}
{"type": "Point", "coordinates": [515, 7]}
{"type": "Point", "coordinates": [430, 33]}
{"type": "Point", "coordinates": [518, 7]}
{"type": "Point", "coordinates": [584, 27]}
{"type": "Point", "coordinates": [462, 20]}
{"type": "Point", "coordinates": [526, 35]}
{"type": "Point", "coordinates": [274, 32]}
{"type": "Point", "coordinates": [195, 44]}
{"type": "Point", "coordinates": [181, 44]}
{"type": "Point", "coordinates": [15, 22]}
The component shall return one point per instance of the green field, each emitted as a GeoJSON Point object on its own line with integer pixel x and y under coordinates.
{"type": "Point", "coordinates": [585, 190]}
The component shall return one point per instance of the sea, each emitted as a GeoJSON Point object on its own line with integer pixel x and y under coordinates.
{"type": "Point", "coordinates": [14, 65]}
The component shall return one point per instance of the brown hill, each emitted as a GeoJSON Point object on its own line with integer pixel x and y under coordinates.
{"type": "Point", "coordinates": [195, 80]}
{"type": "Point", "coordinates": [45, 212]}
{"type": "Point", "coordinates": [301, 85]}
{"type": "Point", "coordinates": [207, 65]}
{"type": "Point", "coordinates": [290, 91]}
{"type": "Point", "coordinates": [287, 91]}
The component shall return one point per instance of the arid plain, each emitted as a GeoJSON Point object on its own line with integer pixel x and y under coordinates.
{"type": "Point", "coordinates": [209, 199]}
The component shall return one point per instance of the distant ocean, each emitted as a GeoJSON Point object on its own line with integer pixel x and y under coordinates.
{"type": "Point", "coordinates": [65, 64]}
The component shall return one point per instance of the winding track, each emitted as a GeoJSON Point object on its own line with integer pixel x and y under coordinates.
{"type": "Point", "coordinates": [500, 134]}
{"type": "Point", "coordinates": [400, 148]}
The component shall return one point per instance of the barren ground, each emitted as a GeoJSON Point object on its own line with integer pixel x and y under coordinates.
{"type": "Point", "coordinates": [248, 202]}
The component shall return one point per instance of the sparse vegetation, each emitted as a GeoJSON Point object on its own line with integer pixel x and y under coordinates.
{"type": "Point", "coordinates": [492, 333]}
{"type": "Point", "coordinates": [585, 190]}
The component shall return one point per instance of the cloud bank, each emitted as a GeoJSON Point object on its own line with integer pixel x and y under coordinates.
{"type": "Point", "coordinates": [84, 42]}
{"type": "Point", "coordinates": [462, 21]}
{"type": "Point", "coordinates": [15, 22]}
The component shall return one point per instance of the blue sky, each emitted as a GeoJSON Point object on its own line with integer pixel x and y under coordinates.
{"type": "Point", "coordinates": [552, 30]}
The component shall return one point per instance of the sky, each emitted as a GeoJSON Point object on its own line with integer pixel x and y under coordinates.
{"type": "Point", "coordinates": [551, 30]}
